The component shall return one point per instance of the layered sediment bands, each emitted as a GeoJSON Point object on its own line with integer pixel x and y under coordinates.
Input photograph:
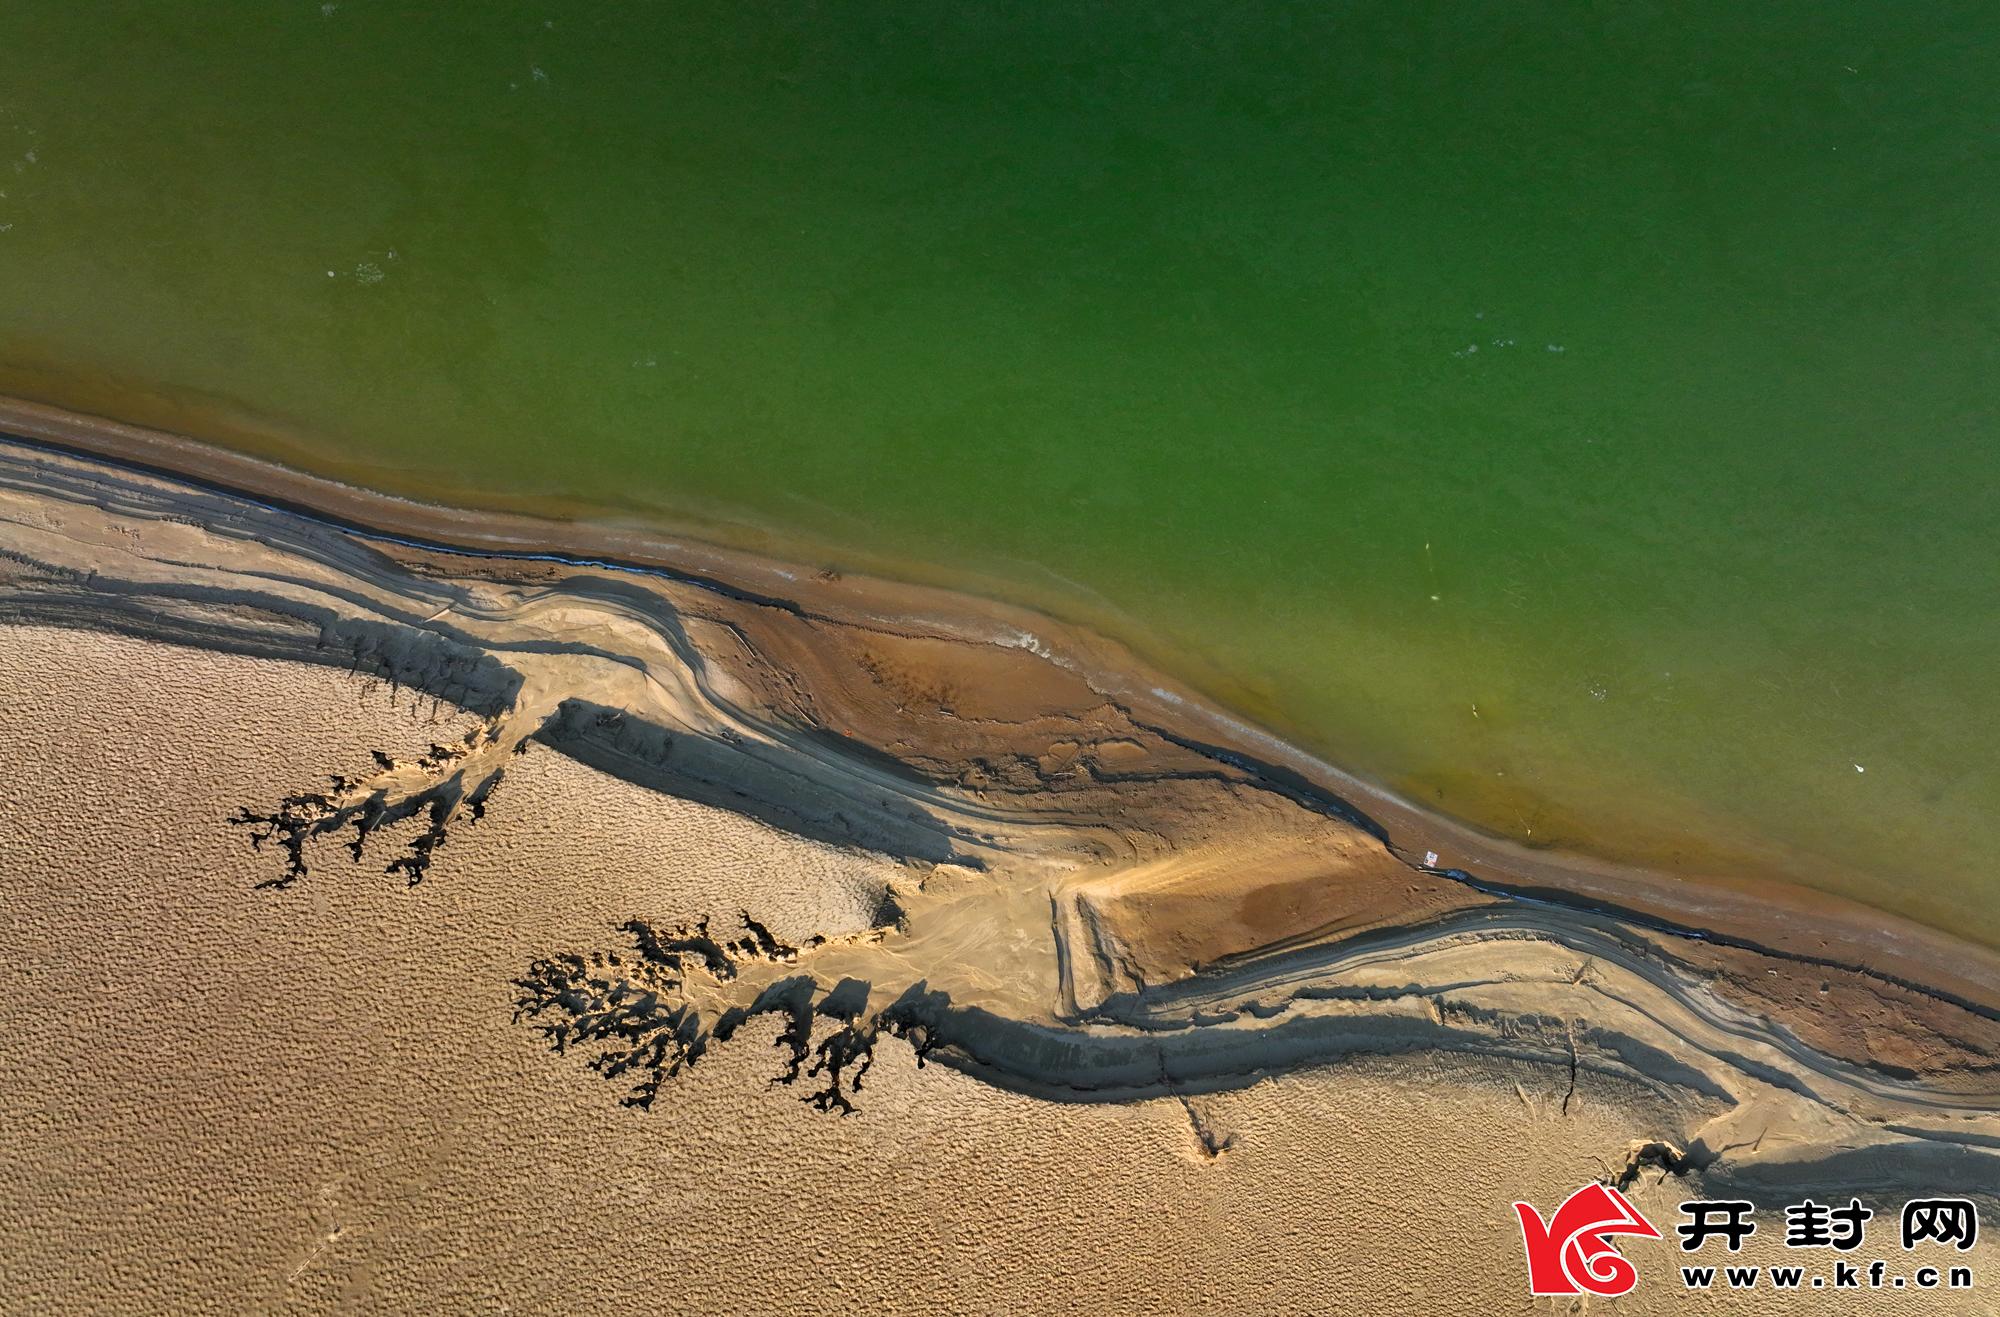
{"type": "Point", "coordinates": [1100, 896]}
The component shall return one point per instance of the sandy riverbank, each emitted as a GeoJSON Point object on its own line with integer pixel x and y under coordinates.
{"type": "Point", "coordinates": [1722, 903]}
{"type": "Point", "coordinates": [223, 1099]}
{"type": "Point", "coordinates": [676, 817]}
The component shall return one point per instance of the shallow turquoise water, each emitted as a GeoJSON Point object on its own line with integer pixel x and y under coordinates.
{"type": "Point", "coordinates": [1581, 417]}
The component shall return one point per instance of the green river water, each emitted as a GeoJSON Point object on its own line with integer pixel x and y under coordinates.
{"type": "Point", "coordinates": [1579, 417]}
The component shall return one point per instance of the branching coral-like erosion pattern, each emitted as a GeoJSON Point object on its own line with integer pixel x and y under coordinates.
{"type": "Point", "coordinates": [450, 782]}
{"type": "Point", "coordinates": [635, 1012]}
{"type": "Point", "coordinates": [1103, 890]}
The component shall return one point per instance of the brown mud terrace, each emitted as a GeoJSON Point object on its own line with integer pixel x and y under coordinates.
{"type": "Point", "coordinates": [1097, 887]}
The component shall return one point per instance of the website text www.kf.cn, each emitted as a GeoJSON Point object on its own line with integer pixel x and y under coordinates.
{"type": "Point", "coordinates": [1839, 1227]}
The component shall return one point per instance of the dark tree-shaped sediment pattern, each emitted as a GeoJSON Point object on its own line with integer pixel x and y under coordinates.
{"type": "Point", "coordinates": [446, 785]}
{"type": "Point", "coordinates": [628, 1009]}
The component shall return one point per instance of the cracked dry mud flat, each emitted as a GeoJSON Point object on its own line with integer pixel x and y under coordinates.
{"type": "Point", "coordinates": [1076, 898]}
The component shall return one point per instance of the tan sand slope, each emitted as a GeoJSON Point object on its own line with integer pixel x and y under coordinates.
{"type": "Point", "coordinates": [224, 1099]}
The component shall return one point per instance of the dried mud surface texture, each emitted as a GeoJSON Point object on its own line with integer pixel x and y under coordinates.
{"type": "Point", "coordinates": [221, 1098]}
